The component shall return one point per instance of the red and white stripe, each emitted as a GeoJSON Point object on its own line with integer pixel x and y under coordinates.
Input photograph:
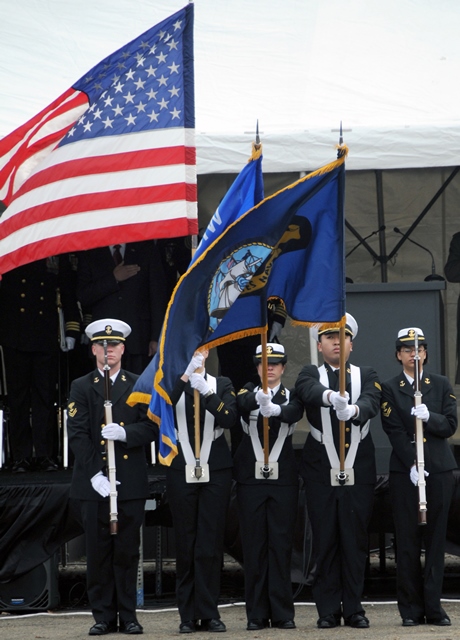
{"type": "Point", "coordinates": [92, 192]}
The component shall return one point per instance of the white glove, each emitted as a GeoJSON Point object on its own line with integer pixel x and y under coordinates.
{"type": "Point", "coordinates": [198, 382]}
{"type": "Point", "coordinates": [69, 344]}
{"type": "Point", "coordinates": [270, 409]}
{"type": "Point", "coordinates": [114, 431]}
{"type": "Point", "coordinates": [414, 475]}
{"type": "Point", "coordinates": [346, 414]}
{"type": "Point", "coordinates": [421, 412]}
{"type": "Point", "coordinates": [263, 399]}
{"type": "Point", "coordinates": [275, 331]}
{"type": "Point", "coordinates": [101, 484]}
{"type": "Point", "coordinates": [338, 401]}
{"type": "Point", "coordinates": [195, 363]}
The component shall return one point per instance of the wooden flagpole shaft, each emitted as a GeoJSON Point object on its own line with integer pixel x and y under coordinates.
{"type": "Point", "coordinates": [196, 401]}
{"type": "Point", "coordinates": [196, 398]}
{"type": "Point", "coordinates": [265, 389]}
{"type": "Point", "coordinates": [342, 385]}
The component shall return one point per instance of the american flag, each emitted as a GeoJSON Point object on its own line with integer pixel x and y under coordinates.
{"type": "Point", "coordinates": [111, 160]}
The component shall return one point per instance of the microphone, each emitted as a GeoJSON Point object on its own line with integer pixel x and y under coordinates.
{"type": "Point", "coordinates": [433, 275]}
{"type": "Point", "coordinates": [382, 228]}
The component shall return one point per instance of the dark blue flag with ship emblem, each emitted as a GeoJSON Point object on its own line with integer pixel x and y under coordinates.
{"type": "Point", "coordinates": [290, 246]}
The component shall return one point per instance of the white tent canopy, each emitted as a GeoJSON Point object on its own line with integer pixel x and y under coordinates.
{"type": "Point", "coordinates": [388, 70]}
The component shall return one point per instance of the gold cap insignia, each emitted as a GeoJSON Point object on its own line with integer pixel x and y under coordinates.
{"type": "Point", "coordinates": [108, 329]}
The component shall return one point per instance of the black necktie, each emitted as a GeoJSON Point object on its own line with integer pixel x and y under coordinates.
{"type": "Point", "coordinates": [117, 257]}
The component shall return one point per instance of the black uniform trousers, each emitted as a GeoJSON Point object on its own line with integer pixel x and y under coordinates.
{"type": "Point", "coordinates": [199, 512]}
{"type": "Point", "coordinates": [339, 517]}
{"type": "Point", "coordinates": [419, 592]}
{"type": "Point", "coordinates": [112, 560]}
{"type": "Point", "coordinates": [31, 383]}
{"type": "Point", "coordinates": [267, 514]}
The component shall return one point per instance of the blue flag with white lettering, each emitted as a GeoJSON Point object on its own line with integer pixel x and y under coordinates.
{"type": "Point", "coordinates": [246, 191]}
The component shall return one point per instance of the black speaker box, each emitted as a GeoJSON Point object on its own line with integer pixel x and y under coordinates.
{"type": "Point", "coordinates": [36, 590]}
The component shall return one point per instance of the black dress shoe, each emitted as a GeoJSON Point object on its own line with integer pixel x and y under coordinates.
{"type": "Point", "coordinates": [440, 622]}
{"type": "Point", "coordinates": [214, 624]}
{"type": "Point", "coordinates": [411, 622]}
{"type": "Point", "coordinates": [132, 627]}
{"type": "Point", "coordinates": [21, 466]}
{"type": "Point", "coordinates": [284, 624]}
{"type": "Point", "coordinates": [102, 629]}
{"type": "Point", "coordinates": [257, 623]}
{"type": "Point", "coordinates": [188, 626]}
{"type": "Point", "coordinates": [328, 622]}
{"type": "Point", "coordinates": [357, 621]}
{"type": "Point", "coordinates": [46, 464]}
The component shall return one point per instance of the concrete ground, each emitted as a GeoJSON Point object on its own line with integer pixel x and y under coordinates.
{"type": "Point", "coordinates": [163, 623]}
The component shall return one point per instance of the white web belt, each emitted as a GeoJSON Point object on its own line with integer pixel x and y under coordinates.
{"type": "Point", "coordinates": [326, 437]}
{"type": "Point", "coordinates": [209, 433]}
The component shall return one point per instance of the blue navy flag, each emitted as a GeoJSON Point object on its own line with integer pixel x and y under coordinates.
{"type": "Point", "coordinates": [290, 246]}
{"type": "Point", "coordinates": [159, 411]}
{"type": "Point", "coordinates": [246, 191]}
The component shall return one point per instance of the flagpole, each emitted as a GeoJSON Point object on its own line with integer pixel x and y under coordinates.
{"type": "Point", "coordinates": [265, 389]}
{"type": "Point", "coordinates": [196, 398]}
{"type": "Point", "coordinates": [196, 401]}
{"type": "Point", "coordinates": [342, 478]}
{"type": "Point", "coordinates": [342, 384]}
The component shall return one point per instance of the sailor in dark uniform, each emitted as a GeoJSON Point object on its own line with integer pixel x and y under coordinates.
{"type": "Point", "coordinates": [419, 591]}
{"type": "Point", "coordinates": [112, 560]}
{"type": "Point", "coordinates": [339, 513]}
{"type": "Point", "coordinates": [29, 332]}
{"type": "Point", "coordinates": [267, 502]}
{"type": "Point", "coordinates": [199, 500]}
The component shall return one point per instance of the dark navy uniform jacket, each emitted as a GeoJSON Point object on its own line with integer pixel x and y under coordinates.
{"type": "Point", "coordinates": [85, 420]}
{"type": "Point", "coordinates": [223, 407]}
{"type": "Point", "coordinates": [244, 459]}
{"type": "Point", "coordinates": [315, 463]}
{"type": "Point", "coordinates": [399, 424]}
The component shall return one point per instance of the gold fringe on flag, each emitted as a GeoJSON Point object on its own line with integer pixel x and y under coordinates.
{"type": "Point", "coordinates": [324, 326]}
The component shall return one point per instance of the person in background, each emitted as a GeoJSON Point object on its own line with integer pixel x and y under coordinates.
{"type": "Point", "coordinates": [339, 513]}
{"type": "Point", "coordinates": [452, 273]}
{"type": "Point", "coordinates": [419, 591]}
{"type": "Point", "coordinates": [199, 507]}
{"type": "Point", "coordinates": [126, 281]}
{"type": "Point", "coordinates": [267, 504]}
{"type": "Point", "coordinates": [30, 297]}
{"type": "Point", "coordinates": [111, 560]}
